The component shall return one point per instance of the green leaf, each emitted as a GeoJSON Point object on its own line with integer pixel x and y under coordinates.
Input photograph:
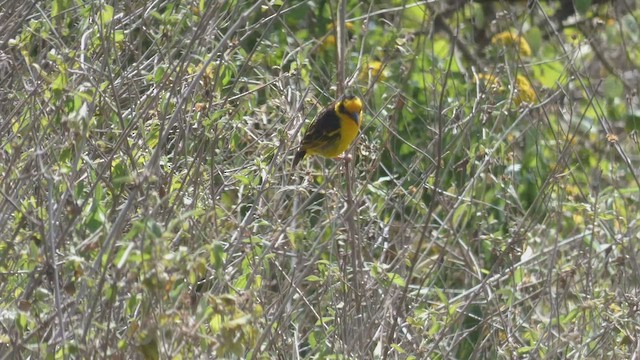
{"type": "Point", "coordinates": [123, 255]}
{"type": "Point", "coordinates": [396, 279]}
{"type": "Point", "coordinates": [525, 350]}
{"type": "Point", "coordinates": [582, 6]}
{"type": "Point", "coordinates": [97, 215]}
{"type": "Point", "coordinates": [549, 73]}
{"type": "Point", "coordinates": [59, 6]}
{"type": "Point", "coordinates": [241, 283]}
{"type": "Point", "coordinates": [21, 321]}
{"type": "Point", "coordinates": [118, 36]}
{"type": "Point", "coordinates": [534, 38]}
{"type": "Point", "coordinates": [217, 256]}
{"type": "Point", "coordinates": [60, 83]}
{"type": "Point", "coordinates": [158, 74]}
{"type": "Point", "coordinates": [216, 323]}
{"type": "Point", "coordinates": [227, 75]}
{"type": "Point", "coordinates": [568, 319]}
{"type": "Point", "coordinates": [313, 278]}
{"type": "Point", "coordinates": [630, 27]}
{"type": "Point", "coordinates": [106, 14]}
{"type": "Point", "coordinates": [120, 174]}
{"type": "Point", "coordinates": [415, 17]}
{"type": "Point", "coordinates": [95, 220]}
{"type": "Point", "coordinates": [632, 121]}
{"type": "Point", "coordinates": [154, 229]}
{"type": "Point", "coordinates": [399, 349]}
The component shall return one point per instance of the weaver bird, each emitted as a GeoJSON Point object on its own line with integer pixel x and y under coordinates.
{"type": "Point", "coordinates": [333, 130]}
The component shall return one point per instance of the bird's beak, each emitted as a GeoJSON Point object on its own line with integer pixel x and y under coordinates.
{"type": "Point", "coordinates": [356, 116]}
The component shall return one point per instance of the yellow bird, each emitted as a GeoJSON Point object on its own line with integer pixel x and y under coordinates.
{"type": "Point", "coordinates": [333, 130]}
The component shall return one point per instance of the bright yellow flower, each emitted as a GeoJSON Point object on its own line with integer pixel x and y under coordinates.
{"type": "Point", "coordinates": [508, 38]}
{"type": "Point", "coordinates": [372, 68]}
{"type": "Point", "coordinates": [329, 42]}
{"type": "Point", "coordinates": [524, 91]}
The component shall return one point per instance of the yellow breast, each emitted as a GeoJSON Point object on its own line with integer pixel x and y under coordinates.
{"type": "Point", "coordinates": [349, 131]}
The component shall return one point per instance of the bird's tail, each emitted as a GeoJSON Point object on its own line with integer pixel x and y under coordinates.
{"type": "Point", "coordinates": [299, 156]}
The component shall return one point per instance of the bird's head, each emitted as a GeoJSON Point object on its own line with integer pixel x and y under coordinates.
{"type": "Point", "coordinates": [351, 106]}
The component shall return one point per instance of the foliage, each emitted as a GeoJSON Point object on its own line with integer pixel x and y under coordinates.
{"type": "Point", "coordinates": [149, 208]}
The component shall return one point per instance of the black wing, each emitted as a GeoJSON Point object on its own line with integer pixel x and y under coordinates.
{"type": "Point", "coordinates": [325, 129]}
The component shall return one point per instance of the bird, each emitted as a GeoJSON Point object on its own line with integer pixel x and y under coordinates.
{"type": "Point", "coordinates": [333, 131]}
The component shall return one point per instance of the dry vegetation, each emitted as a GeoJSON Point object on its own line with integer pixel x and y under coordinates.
{"type": "Point", "coordinates": [148, 207]}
